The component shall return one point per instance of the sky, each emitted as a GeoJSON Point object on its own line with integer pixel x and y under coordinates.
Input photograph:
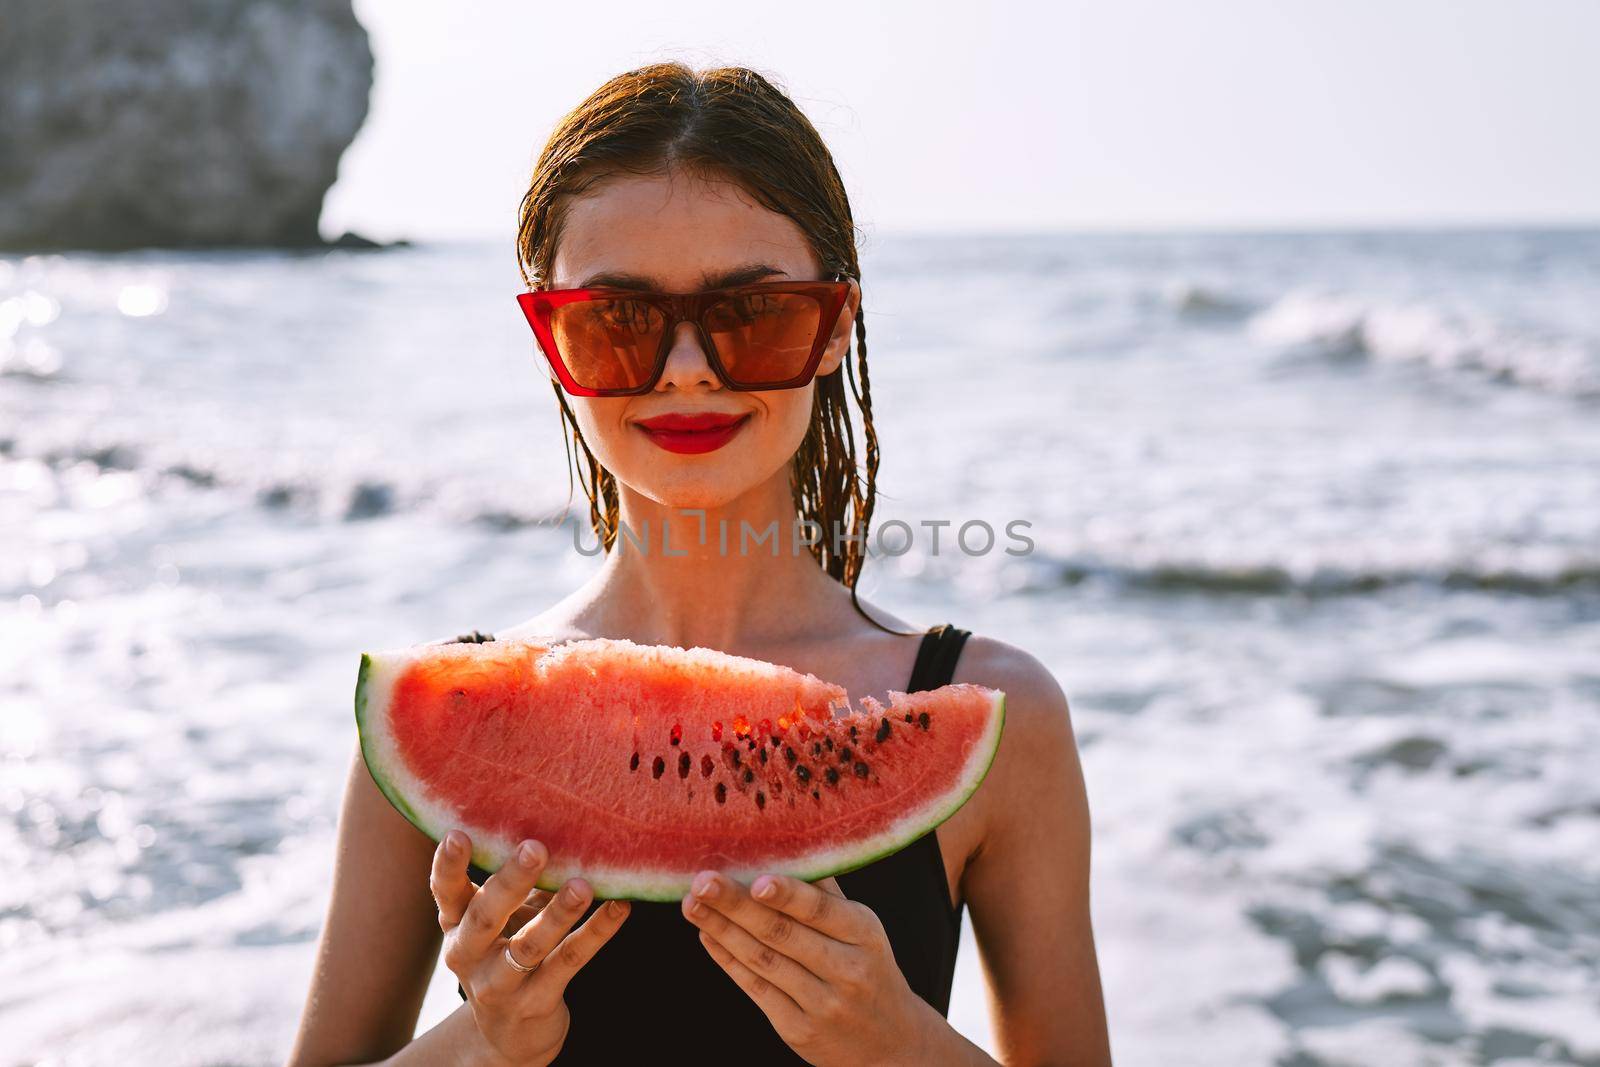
{"type": "Point", "coordinates": [1006, 117]}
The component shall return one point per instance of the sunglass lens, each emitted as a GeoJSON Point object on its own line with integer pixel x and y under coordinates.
{"type": "Point", "coordinates": [764, 338]}
{"type": "Point", "coordinates": [608, 344]}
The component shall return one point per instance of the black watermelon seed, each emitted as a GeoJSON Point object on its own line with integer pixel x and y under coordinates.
{"type": "Point", "coordinates": [829, 742]}
{"type": "Point", "coordinates": [735, 754]}
{"type": "Point", "coordinates": [706, 766]}
{"type": "Point", "coordinates": [722, 793]}
{"type": "Point", "coordinates": [761, 800]}
{"type": "Point", "coordinates": [788, 754]}
{"type": "Point", "coordinates": [751, 744]}
{"type": "Point", "coordinates": [803, 773]}
{"type": "Point", "coordinates": [816, 749]}
{"type": "Point", "coordinates": [763, 755]}
{"type": "Point", "coordinates": [852, 732]}
{"type": "Point", "coordinates": [657, 767]}
{"type": "Point", "coordinates": [844, 755]}
{"type": "Point", "coordinates": [832, 776]}
{"type": "Point", "coordinates": [883, 732]}
{"type": "Point", "coordinates": [749, 775]}
{"type": "Point", "coordinates": [908, 717]}
{"type": "Point", "coordinates": [683, 765]}
{"type": "Point", "coordinates": [861, 770]}
{"type": "Point", "coordinates": [774, 740]}
{"type": "Point", "coordinates": [922, 720]}
{"type": "Point", "coordinates": [815, 795]}
{"type": "Point", "coordinates": [633, 764]}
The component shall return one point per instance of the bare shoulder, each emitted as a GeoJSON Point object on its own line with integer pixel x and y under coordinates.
{"type": "Point", "coordinates": [1038, 756]}
{"type": "Point", "coordinates": [1036, 705]}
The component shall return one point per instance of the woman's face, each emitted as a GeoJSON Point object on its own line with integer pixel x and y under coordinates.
{"type": "Point", "coordinates": [682, 233]}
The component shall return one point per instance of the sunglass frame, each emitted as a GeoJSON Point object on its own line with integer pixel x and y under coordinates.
{"type": "Point", "coordinates": [538, 306]}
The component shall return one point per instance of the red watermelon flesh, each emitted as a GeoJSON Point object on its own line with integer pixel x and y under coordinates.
{"type": "Point", "coordinates": [638, 765]}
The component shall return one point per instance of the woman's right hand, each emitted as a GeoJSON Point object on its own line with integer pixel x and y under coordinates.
{"type": "Point", "coordinates": [522, 1017]}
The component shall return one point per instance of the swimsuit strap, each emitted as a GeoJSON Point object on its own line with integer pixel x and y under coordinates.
{"type": "Point", "coordinates": [936, 658]}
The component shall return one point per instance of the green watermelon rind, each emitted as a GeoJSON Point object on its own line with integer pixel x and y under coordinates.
{"type": "Point", "coordinates": [625, 885]}
{"type": "Point", "coordinates": [364, 730]}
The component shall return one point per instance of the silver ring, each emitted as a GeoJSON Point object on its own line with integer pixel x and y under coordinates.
{"type": "Point", "coordinates": [517, 966]}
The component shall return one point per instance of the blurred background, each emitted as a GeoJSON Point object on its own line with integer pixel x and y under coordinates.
{"type": "Point", "coordinates": [1288, 322]}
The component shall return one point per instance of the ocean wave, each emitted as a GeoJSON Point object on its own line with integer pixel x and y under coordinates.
{"type": "Point", "coordinates": [1415, 332]}
{"type": "Point", "coordinates": [356, 493]}
{"type": "Point", "coordinates": [1199, 301]}
{"type": "Point", "coordinates": [1573, 575]}
{"type": "Point", "coordinates": [331, 494]}
{"type": "Point", "coordinates": [32, 360]}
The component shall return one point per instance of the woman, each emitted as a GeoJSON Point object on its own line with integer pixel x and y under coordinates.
{"type": "Point", "coordinates": [675, 182]}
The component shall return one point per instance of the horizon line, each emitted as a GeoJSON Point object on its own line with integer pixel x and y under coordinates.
{"type": "Point", "coordinates": [1274, 229]}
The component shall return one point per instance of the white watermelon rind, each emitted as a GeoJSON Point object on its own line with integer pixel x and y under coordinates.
{"type": "Point", "coordinates": [374, 684]}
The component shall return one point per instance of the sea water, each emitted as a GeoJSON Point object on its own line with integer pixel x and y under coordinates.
{"type": "Point", "coordinates": [1315, 526]}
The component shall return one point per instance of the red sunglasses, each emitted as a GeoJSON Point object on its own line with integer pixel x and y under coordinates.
{"type": "Point", "coordinates": [614, 342]}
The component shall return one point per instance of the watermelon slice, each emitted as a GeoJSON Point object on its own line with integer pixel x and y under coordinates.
{"type": "Point", "coordinates": [638, 765]}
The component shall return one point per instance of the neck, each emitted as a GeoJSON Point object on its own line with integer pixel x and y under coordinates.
{"type": "Point", "coordinates": [687, 577]}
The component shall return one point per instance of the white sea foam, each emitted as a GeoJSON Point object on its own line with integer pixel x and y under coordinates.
{"type": "Point", "coordinates": [1329, 631]}
{"type": "Point", "coordinates": [1421, 333]}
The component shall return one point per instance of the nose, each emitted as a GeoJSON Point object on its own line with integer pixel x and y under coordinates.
{"type": "Point", "coordinates": [687, 364]}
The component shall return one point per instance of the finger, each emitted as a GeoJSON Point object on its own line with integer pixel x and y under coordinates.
{"type": "Point", "coordinates": [537, 901]}
{"type": "Point", "coordinates": [816, 951]}
{"type": "Point", "coordinates": [535, 941]}
{"type": "Point", "coordinates": [530, 945]}
{"type": "Point", "coordinates": [800, 984]}
{"type": "Point", "coordinates": [820, 906]}
{"type": "Point", "coordinates": [500, 895]}
{"type": "Point", "coordinates": [831, 884]}
{"type": "Point", "coordinates": [778, 1006]}
{"type": "Point", "coordinates": [452, 889]}
{"type": "Point", "coordinates": [579, 947]}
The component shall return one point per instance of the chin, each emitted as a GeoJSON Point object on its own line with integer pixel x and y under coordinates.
{"type": "Point", "coordinates": [708, 490]}
{"type": "Point", "coordinates": [709, 500]}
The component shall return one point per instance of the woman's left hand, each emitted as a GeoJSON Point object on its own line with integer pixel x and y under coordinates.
{"type": "Point", "coordinates": [819, 965]}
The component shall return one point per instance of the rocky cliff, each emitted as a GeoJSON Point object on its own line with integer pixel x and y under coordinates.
{"type": "Point", "coordinates": [174, 123]}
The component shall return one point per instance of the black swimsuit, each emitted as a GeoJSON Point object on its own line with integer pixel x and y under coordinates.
{"type": "Point", "coordinates": [653, 983]}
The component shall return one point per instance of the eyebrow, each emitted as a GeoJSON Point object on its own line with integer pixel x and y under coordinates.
{"type": "Point", "coordinates": [744, 275]}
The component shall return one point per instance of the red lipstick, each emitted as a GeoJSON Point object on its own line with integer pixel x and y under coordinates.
{"type": "Point", "coordinates": [685, 433]}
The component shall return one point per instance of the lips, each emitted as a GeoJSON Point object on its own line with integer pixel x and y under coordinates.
{"type": "Point", "coordinates": [684, 432]}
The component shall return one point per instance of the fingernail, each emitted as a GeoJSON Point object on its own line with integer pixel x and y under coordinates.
{"type": "Point", "coordinates": [572, 895]}
{"type": "Point", "coordinates": [451, 843]}
{"type": "Point", "coordinates": [705, 885]}
{"type": "Point", "coordinates": [765, 888]}
{"type": "Point", "coordinates": [527, 854]}
{"type": "Point", "coordinates": [617, 909]}
{"type": "Point", "coordinates": [697, 909]}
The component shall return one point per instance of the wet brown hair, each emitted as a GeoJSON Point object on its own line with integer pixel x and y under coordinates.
{"type": "Point", "coordinates": [728, 123]}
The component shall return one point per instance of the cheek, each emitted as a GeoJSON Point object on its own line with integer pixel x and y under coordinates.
{"type": "Point", "coordinates": [790, 417]}
{"type": "Point", "coordinates": [600, 422]}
